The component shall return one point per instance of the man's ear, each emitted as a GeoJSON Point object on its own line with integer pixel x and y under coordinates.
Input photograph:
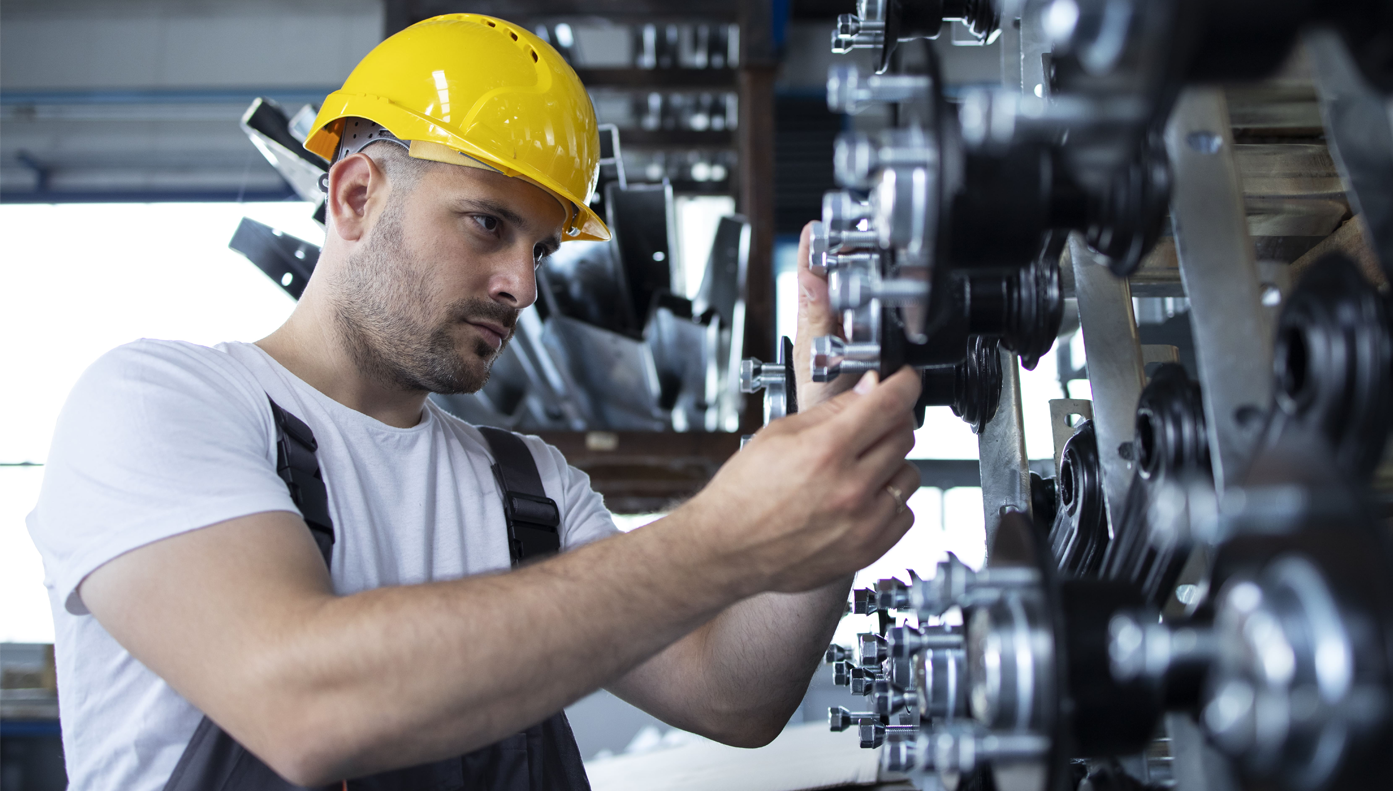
{"type": "Point", "coordinates": [357, 193]}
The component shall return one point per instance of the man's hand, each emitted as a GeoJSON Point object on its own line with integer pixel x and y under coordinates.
{"type": "Point", "coordinates": [800, 508]}
{"type": "Point", "coordinates": [810, 499]}
{"type": "Point", "coordinates": [815, 318]}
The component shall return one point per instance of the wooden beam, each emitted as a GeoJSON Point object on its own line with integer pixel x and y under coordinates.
{"type": "Point", "coordinates": [1352, 239]}
{"type": "Point", "coordinates": [645, 472]}
{"type": "Point", "coordinates": [755, 200]}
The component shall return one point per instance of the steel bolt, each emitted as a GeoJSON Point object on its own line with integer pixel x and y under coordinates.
{"type": "Point", "coordinates": [841, 211]}
{"type": "Point", "coordinates": [872, 648]}
{"type": "Point", "coordinates": [887, 700]}
{"type": "Point", "coordinates": [839, 718]}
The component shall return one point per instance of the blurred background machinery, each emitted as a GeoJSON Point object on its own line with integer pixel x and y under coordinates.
{"type": "Point", "coordinates": [1201, 597]}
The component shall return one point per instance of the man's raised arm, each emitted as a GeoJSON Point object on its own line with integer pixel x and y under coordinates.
{"type": "Point", "coordinates": [239, 617]}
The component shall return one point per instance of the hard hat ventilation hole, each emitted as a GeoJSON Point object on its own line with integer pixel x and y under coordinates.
{"type": "Point", "coordinates": [534, 54]}
{"type": "Point", "coordinates": [514, 35]}
{"type": "Point", "coordinates": [489, 23]}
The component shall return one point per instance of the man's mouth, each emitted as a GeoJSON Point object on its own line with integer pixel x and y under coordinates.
{"type": "Point", "coordinates": [495, 334]}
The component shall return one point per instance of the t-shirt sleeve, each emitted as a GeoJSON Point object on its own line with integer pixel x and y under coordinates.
{"type": "Point", "coordinates": [584, 517]}
{"type": "Point", "coordinates": [157, 438]}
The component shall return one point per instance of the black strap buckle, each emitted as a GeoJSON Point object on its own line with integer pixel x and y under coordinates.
{"type": "Point", "coordinates": [540, 512]}
{"type": "Point", "coordinates": [533, 526]}
{"type": "Point", "coordinates": [298, 466]}
{"type": "Point", "coordinates": [533, 519]}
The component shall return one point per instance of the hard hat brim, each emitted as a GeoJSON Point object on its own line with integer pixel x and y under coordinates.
{"type": "Point", "coordinates": [323, 141]}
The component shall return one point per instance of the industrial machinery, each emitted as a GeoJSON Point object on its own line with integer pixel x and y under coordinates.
{"type": "Point", "coordinates": [1210, 604]}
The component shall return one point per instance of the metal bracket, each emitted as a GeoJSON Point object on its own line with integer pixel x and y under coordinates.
{"type": "Point", "coordinates": [1060, 411]}
{"type": "Point", "coordinates": [1001, 452]}
{"type": "Point", "coordinates": [1233, 334]}
{"type": "Point", "coordinates": [1115, 370]}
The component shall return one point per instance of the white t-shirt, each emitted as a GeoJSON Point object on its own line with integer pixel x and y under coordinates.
{"type": "Point", "coordinates": [162, 437]}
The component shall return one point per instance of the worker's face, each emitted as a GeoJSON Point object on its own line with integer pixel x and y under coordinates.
{"type": "Point", "coordinates": [431, 296]}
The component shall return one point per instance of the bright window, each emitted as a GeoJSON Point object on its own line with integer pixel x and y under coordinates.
{"type": "Point", "coordinates": [79, 280]}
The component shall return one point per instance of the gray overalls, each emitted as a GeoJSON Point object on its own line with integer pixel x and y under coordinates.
{"type": "Point", "coordinates": [541, 758]}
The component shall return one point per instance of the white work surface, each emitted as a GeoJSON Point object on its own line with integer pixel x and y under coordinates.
{"type": "Point", "coordinates": [804, 757]}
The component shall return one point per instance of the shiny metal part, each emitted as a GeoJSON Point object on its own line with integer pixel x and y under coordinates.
{"type": "Point", "coordinates": [1115, 369]}
{"type": "Point", "coordinates": [873, 733]}
{"type": "Point", "coordinates": [1010, 658]}
{"type": "Point", "coordinates": [952, 752]}
{"type": "Point", "coordinates": [995, 119]}
{"type": "Point", "coordinates": [826, 238]}
{"type": "Point", "coordinates": [863, 30]}
{"type": "Point", "coordinates": [849, 288]}
{"type": "Point", "coordinates": [1001, 451]}
{"type": "Point", "coordinates": [871, 649]}
{"type": "Point", "coordinates": [943, 686]}
{"type": "Point", "coordinates": [1141, 648]}
{"type": "Point", "coordinates": [850, 91]}
{"type": "Point", "coordinates": [619, 366]}
{"type": "Point", "coordinates": [888, 594]}
{"type": "Point", "coordinates": [905, 200]}
{"type": "Point", "coordinates": [959, 751]}
{"type": "Point", "coordinates": [833, 357]}
{"type": "Point", "coordinates": [857, 156]}
{"type": "Point", "coordinates": [859, 679]}
{"type": "Point", "coordinates": [769, 377]}
{"type": "Point", "coordinates": [886, 699]}
{"type": "Point", "coordinates": [905, 641]}
{"type": "Point", "coordinates": [825, 262]}
{"type": "Point", "coordinates": [1286, 695]}
{"type": "Point", "coordinates": [1061, 426]}
{"type": "Point", "coordinates": [840, 211]}
{"type": "Point", "coordinates": [839, 718]}
{"type": "Point", "coordinates": [776, 379]}
{"type": "Point", "coordinates": [898, 755]}
{"type": "Point", "coordinates": [1233, 335]}
{"type": "Point", "coordinates": [957, 585]}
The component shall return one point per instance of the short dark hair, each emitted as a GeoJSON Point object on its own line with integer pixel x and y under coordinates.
{"type": "Point", "coordinates": [402, 170]}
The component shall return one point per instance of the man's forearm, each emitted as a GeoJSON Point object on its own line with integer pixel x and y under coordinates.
{"type": "Point", "coordinates": [559, 630]}
{"type": "Point", "coordinates": [324, 687]}
{"type": "Point", "coordinates": [767, 648]}
{"type": "Point", "coordinates": [741, 676]}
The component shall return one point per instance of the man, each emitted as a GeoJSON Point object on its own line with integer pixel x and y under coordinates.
{"type": "Point", "coordinates": [185, 581]}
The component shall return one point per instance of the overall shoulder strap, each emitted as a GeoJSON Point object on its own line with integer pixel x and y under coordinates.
{"type": "Point", "coordinates": [533, 519]}
{"type": "Point", "coordinates": [298, 466]}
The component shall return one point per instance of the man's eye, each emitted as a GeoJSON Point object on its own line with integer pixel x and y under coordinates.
{"type": "Point", "coordinates": [489, 224]}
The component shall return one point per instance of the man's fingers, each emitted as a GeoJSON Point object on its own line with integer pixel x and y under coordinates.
{"type": "Point", "coordinates": [907, 479]}
{"type": "Point", "coordinates": [871, 410]}
{"type": "Point", "coordinates": [883, 458]}
{"type": "Point", "coordinates": [815, 318]}
{"type": "Point", "coordinates": [892, 509]}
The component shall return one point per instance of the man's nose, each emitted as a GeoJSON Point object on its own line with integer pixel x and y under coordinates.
{"type": "Point", "coordinates": [514, 282]}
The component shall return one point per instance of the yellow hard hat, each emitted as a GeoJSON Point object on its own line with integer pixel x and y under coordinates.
{"type": "Point", "coordinates": [470, 89]}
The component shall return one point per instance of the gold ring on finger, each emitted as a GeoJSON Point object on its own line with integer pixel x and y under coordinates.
{"type": "Point", "coordinates": [896, 495]}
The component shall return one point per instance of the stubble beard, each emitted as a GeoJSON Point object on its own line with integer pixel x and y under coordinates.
{"type": "Point", "coordinates": [381, 314]}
